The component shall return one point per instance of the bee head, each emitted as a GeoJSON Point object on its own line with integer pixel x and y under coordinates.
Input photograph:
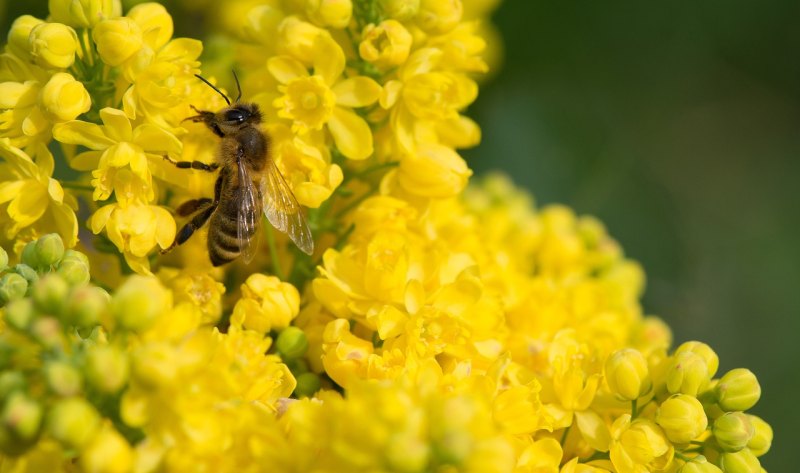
{"type": "Point", "coordinates": [238, 116]}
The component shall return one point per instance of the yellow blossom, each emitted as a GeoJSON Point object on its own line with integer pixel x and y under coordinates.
{"type": "Point", "coordinates": [333, 13]}
{"type": "Point", "coordinates": [63, 98]}
{"type": "Point", "coordinates": [386, 45]}
{"type": "Point", "coordinates": [266, 304]}
{"type": "Point", "coordinates": [83, 13]}
{"type": "Point", "coordinates": [53, 45]}
{"type": "Point", "coordinates": [639, 446]}
{"type": "Point", "coordinates": [117, 40]}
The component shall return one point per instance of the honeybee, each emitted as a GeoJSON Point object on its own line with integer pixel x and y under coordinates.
{"type": "Point", "coordinates": [248, 183]}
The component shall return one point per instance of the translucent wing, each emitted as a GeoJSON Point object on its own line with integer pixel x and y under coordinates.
{"type": "Point", "coordinates": [248, 215]}
{"type": "Point", "coordinates": [282, 209]}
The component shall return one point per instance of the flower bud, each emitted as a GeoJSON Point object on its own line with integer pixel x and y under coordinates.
{"type": "Point", "coordinates": [298, 38]}
{"type": "Point", "coordinates": [332, 13]}
{"type": "Point", "coordinates": [19, 33]}
{"type": "Point", "coordinates": [11, 381]}
{"type": "Point", "coordinates": [73, 269]}
{"type": "Point", "coordinates": [438, 16]}
{"type": "Point", "coordinates": [117, 40]}
{"type": "Point", "coordinates": [73, 422]}
{"type": "Point", "coordinates": [108, 451]}
{"type": "Point", "coordinates": [27, 272]}
{"type": "Point", "coordinates": [155, 23]}
{"type": "Point", "coordinates": [85, 305]}
{"type": "Point", "coordinates": [307, 385]}
{"type": "Point", "coordinates": [29, 255]}
{"type": "Point", "coordinates": [50, 293]}
{"type": "Point", "coordinates": [385, 45]}
{"type": "Point", "coordinates": [267, 303]}
{"type": "Point", "coordinates": [50, 247]}
{"type": "Point", "coordinates": [400, 9]}
{"type": "Point", "coordinates": [63, 98]}
{"type": "Point", "coordinates": [742, 461]}
{"type": "Point", "coordinates": [291, 343]}
{"type": "Point", "coordinates": [47, 332]}
{"type": "Point", "coordinates": [12, 286]}
{"type": "Point", "coordinates": [138, 302]}
{"type": "Point", "coordinates": [705, 351]}
{"type": "Point", "coordinates": [20, 314]}
{"type": "Point", "coordinates": [63, 378]}
{"type": "Point", "coordinates": [83, 13]}
{"type": "Point", "coordinates": [627, 374]}
{"type": "Point", "coordinates": [434, 170]}
{"type": "Point", "coordinates": [3, 259]}
{"type": "Point", "coordinates": [106, 368]}
{"type": "Point", "coordinates": [22, 416]}
{"type": "Point", "coordinates": [738, 390]}
{"type": "Point", "coordinates": [687, 374]}
{"type": "Point", "coordinates": [154, 365]}
{"type": "Point", "coordinates": [53, 45]}
{"type": "Point", "coordinates": [699, 464]}
{"type": "Point", "coordinates": [761, 441]}
{"type": "Point", "coordinates": [733, 431]}
{"type": "Point", "coordinates": [682, 417]}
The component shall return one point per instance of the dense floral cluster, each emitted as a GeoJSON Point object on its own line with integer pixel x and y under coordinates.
{"type": "Point", "coordinates": [439, 326]}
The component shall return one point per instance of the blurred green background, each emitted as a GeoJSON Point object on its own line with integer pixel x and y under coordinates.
{"type": "Point", "coordinates": [678, 125]}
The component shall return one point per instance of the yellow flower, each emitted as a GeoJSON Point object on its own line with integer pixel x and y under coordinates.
{"type": "Point", "coordinates": [155, 23]}
{"type": "Point", "coordinates": [333, 13]}
{"type": "Point", "coordinates": [439, 16]}
{"type": "Point", "coordinates": [266, 304]}
{"type": "Point", "coordinates": [386, 44]}
{"type": "Point", "coordinates": [53, 45]}
{"type": "Point", "coordinates": [108, 451]}
{"type": "Point", "coordinates": [639, 446]}
{"type": "Point", "coordinates": [31, 199]}
{"type": "Point", "coordinates": [83, 13]}
{"type": "Point", "coordinates": [627, 375]}
{"type": "Point", "coordinates": [63, 98]}
{"type": "Point", "coordinates": [682, 418]}
{"type": "Point", "coordinates": [117, 40]}
{"type": "Point", "coordinates": [19, 33]}
{"type": "Point", "coordinates": [432, 171]}
{"type": "Point", "coordinates": [313, 101]}
{"type": "Point", "coordinates": [135, 229]}
{"type": "Point", "coordinates": [123, 166]}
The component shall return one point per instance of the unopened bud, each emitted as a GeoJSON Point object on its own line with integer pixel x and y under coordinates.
{"type": "Point", "coordinates": [437, 17]}
{"type": "Point", "coordinates": [106, 368]}
{"type": "Point", "coordinates": [333, 13]}
{"type": "Point", "coordinates": [733, 431]}
{"type": "Point", "coordinates": [53, 45]}
{"type": "Point", "coordinates": [27, 272]}
{"type": "Point", "coordinates": [682, 417]}
{"type": "Point", "coordinates": [738, 390]}
{"type": "Point", "coordinates": [73, 422]}
{"type": "Point", "coordinates": [705, 351]}
{"type": "Point", "coordinates": [385, 45]}
{"type": "Point", "coordinates": [117, 40]}
{"type": "Point", "coordinates": [29, 255]}
{"type": "Point", "coordinates": [627, 374]}
{"type": "Point", "coordinates": [74, 271]}
{"type": "Point", "coordinates": [50, 247]}
{"type": "Point", "coordinates": [63, 378]}
{"type": "Point", "coordinates": [699, 464]}
{"type": "Point", "coordinates": [47, 331]}
{"type": "Point", "coordinates": [761, 441]}
{"type": "Point", "coordinates": [742, 461]}
{"type": "Point", "coordinates": [50, 293]}
{"type": "Point", "coordinates": [11, 381]}
{"type": "Point", "coordinates": [85, 306]}
{"type": "Point", "coordinates": [138, 302]}
{"type": "Point", "coordinates": [12, 286]}
{"type": "Point", "coordinates": [83, 13]}
{"type": "Point", "coordinates": [307, 385]}
{"type": "Point", "coordinates": [22, 416]}
{"type": "Point", "coordinates": [19, 33]}
{"type": "Point", "coordinates": [400, 9]}
{"type": "Point", "coordinates": [3, 259]}
{"type": "Point", "coordinates": [108, 451]}
{"type": "Point", "coordinates": [687, 374]}
{"type": "Point", "coordinates": [291, 343]}
{"type": "Point", "coordinates": [20, 314]}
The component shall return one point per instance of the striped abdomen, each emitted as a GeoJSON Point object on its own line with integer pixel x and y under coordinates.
{"type": "Point", "coordinates": [224, 245]}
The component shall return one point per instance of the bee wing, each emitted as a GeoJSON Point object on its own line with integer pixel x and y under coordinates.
{"type": "Point", "coordinates": [248, 215]}
{"type": "Point", "coordinates": [282, 209]}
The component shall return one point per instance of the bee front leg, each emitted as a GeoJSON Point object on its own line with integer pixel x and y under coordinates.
{"type": "Point", "coordinates": [192, 164]}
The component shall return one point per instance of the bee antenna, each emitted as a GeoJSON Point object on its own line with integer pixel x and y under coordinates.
{"type": "Point", "coordinates": [227, 100]}
{"type": "Point", "coordinates": [238, 87]}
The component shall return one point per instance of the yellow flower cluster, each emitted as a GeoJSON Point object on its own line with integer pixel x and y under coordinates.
{"type": "Point", "coordinates": [439, 326]}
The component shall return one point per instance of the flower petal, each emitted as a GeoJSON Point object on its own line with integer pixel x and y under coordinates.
{"type": "Point", "coordinates": [66, 224]}
{"type": "Point", "coordinates": [351, 133]}
{"type": "Point", "coordinates": [29, 204]}
{"type": "Point", "coordinates": [356, 92]}
{"type": "Point", "coordinates": [9, 190]}
{"type": "Point", "coordinates": [328, 58]}
{"type": "Point", "coordinates": [165, 227]}
{"type": "Point", "coordinates": [156, 140]}
{"type": "Point", "coordinates": [86, 161]}
{"type": "Point", "coordinates": [77, 132]}
{"type": "Point", "coordinates": [18, 159]}
{"type": "Point", "coordinates": [117, 125]}
{"type": "Point", "coordinates": [285, 68]}
{"type": "Point", "coordinates": [44, 161]}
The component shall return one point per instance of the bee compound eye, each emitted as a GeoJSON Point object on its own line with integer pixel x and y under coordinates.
{"type": "Point", "coordinates": [234, 116]}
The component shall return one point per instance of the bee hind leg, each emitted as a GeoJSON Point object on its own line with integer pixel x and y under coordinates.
{"type": "Point", "coordinates": [191, 206]}
{"type": "Point", "coordinates": [196, 222]}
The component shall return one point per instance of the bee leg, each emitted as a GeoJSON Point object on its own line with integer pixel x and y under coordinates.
{"type": "Point", "coordinates": [188, 230]}
{"type": "Point", "coordinates": [192, 164]}
{"type": "Point", "coordinates": [191, 206]}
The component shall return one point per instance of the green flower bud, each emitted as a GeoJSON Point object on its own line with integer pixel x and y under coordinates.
{"type": "Point", "coordinates": [627, 374]}
{"type": "Point", "coordinates": [73, 422]}
{"type": "Point", "coordinates": [742, 461]}
{"type": "Point", "coordinates": [85, 305]}
{"type": "Point", "coordinates": [699, 464]}
{"type": "Point", "coordinates": [50, 293]}
{"type": "Point", "coordinates": [682, 417]}
{"type": "Point", "coordinates": [138, 302]}
{"type": "Point", "coordinates": [27, 272]}
{"type": "Point", "coordinates": [738, 390]}
{"type": "Point", "coordinates": [22, 416]}
{"type": "Point", "coordinates": [761, 441]}
{"type": "Point", "coordinates": [106, 368]}
{"type": "Point", "coordinates": [705, 351]}
{"type": "Point", "coordinates": [63, 378]}
{"type": "Point", "coordinates": [291, 343]}
{"type": "Point", "coordinates": [3, 259]}
{"type": "Point", "coordinates": [29, 255]}
{"type": "Point", "coordinates": [297, 366]}
{"type": "Point", "coordinates": [11, 381]}
{"type": "Point", "coordinates": [733, 431]}
{"type": "Point", "coordinates": [47, 331]}
{"type": "Point", "coordinates": [687, 374]}
{"type": "Point", "coordinates": [72, 255]}
{"type": "Point", "coordinates": [75, 272]}
{"type": "Point", "coordinates": [49, 249]}
{"type": "Point", "coordinates": [12, 286]}
{"type": "Point", "coordinates": [20, 314]}
{"type": "Point", "coordinates": [307, 385]}
{"type": "Point", "coordinates": [53, 45]}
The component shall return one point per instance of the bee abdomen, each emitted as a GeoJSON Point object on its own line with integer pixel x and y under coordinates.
{"type": "Point", "coordinates": [223, 239]}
